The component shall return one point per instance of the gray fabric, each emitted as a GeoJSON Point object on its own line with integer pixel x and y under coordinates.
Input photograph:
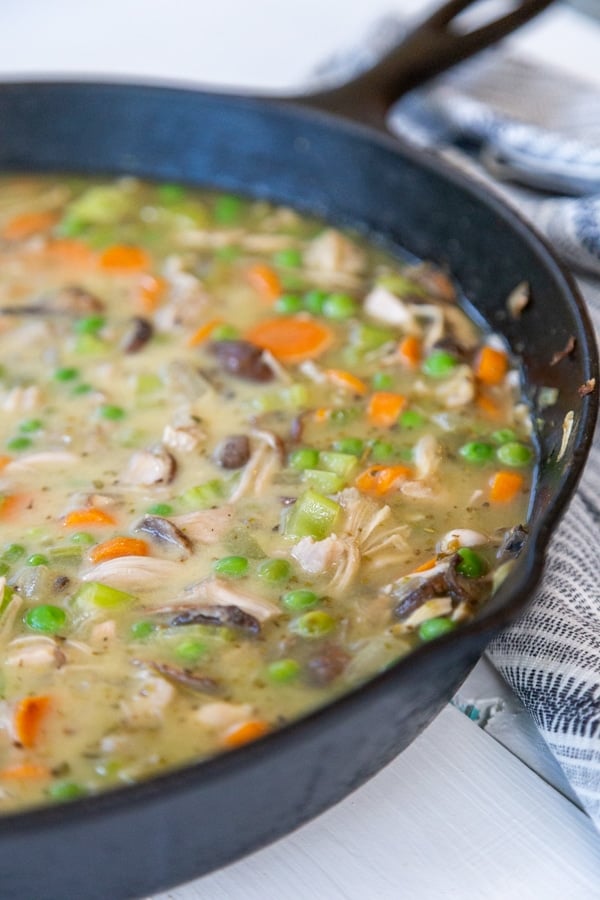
{"type": "Point", "coordinates": [480, 117]}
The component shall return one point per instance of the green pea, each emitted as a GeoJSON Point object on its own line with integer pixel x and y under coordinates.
{"type": "Point", "coordinates": [224, 332]}
{"type": "Point", "coordinates": [314, 624]}
{"type": "Point", "coordinates": [45, 618]}
{"type": "Point", "coordinates": [19, 443]}
{"type": "Point", "coordinates": [477, 452]}
{"type": "Point", "coordinates": [160, 509]}
{"type": "Point", "coordinates": [382, 450]}
{"type": "Point", "coordinates": [304, 458]}
{"type": "Point", "coordinates": [170, 193]}
{"type": "Point", "coordinates": [439, 364]}
{"type": "Point", "coordinates": [289, 259]}
{"type": "Point", "coordinates": [191, 650]}
{"type": "Point", "coordinates": [352, 445]}
{"type": "Point", "coordinates": [504, 436]}
{"type": "Point", "coordinates": [227, 209]}
{"type": "Point", "coordinates": [283, 670]}
{"type": "Point", "coordinates": [231, 566]}
{"type": "Point", "coordinates": [514, 454]}
{"type": "Point", "coordinates": [13, 552]}
{"type": "Point", "coordinates": [82, 389]}
{"type": "Point", "coordinates": [299, 600]}
{"type": "Point", "coordinates": [91, 324]}
{"type": "Point", "coordinates": [66, 373]}
{"type": "Point", "coordinates": [314, 301]}
{"type": "Point", "coordinates": [471, 564]}
{"type": "Point", "coordinates": [30, 425]}
{"type": "Point", "coordinates": [83, 538]}
{"type": "Point", "coordinates": [434, 628]}
{"type": "Point", "coordinates": [141, 630]}
{"type": "Point", "coordinates": [274, 570]}
{"type": "Point", "coordinates": [411, 419]}
{"type": "Point", "coordinates": [382, 381]}
{"type": "Point", "coordinates": [37, 559]}
{"type": "Point", "coordinates": [340, 306]}
{"type": "Point", "coordinates": [111, 412]}
{"type": "Point", "coordinates": [288, 303]}
{"type": "Point", "coordinates": [63, 791]}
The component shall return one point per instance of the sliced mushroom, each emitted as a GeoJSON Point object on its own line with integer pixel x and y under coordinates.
{"type": "Point", "coordinates": [242, 359]}
{"type": "Point", "coordinates": [187, 679]}
{"type": "Point", "coordinates": [230, 616]}
{"type": "Point", "coordinates": [165, 532]}
{"type": "Point", "coordinates": [70, 300]}
{"type": "Point", "coordinates": [328, 664]}
{"type": "Point", "coordinates": [513, 542]}
{"type": "Point", "coordinates": [148, 467]}
{"type": "Point", "coordinates": [137, 335]}
{"type": "Point", "coordinates": [215, 592]}
{"type": "Point", "coordinates": [233, 452]}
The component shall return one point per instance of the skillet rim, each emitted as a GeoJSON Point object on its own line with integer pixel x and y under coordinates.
{"type": "Point", "coordinates": [512, 597]}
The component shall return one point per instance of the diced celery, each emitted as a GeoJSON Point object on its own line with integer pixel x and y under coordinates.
{"type": "Point", "coordinates": [94, 593]}
{"type": "Point", "coordinates": [326, 482]}
{"type": "Point", "coordinates": [203, 496]}
{"type": "Point", "coordinates": [189, 212]}
{"type": "Point", "coordinates": [147, 383]}
{"type": "Point", "coordinates": [370, 337]}
{"type": "Point", "coordinates": [296, 396]}
{"type": "Point", "coordinates": [5, 597]}
{"type": "Point", "coordinates": [312, 515]}
{"type": "Point", "coordinates": [401, 286]}
{"type": "Point", "coordinates": [100, 205]}
{"type": "Point", "coordinates": [90, 345]}
{"type": "Point", "coordinates": [69, 553]}
{"type": "Point", "coordinates": [343, 464]}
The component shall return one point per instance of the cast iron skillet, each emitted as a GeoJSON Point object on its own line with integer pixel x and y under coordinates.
{"type": "Point", "coordinates": [140, 839]}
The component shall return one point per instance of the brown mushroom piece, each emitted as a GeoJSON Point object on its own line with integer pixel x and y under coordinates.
{"type": "Point", "coordinates": [327, 665]}
{"type": "Point", "coordinates": [233, 452]}
{"type": "Point", "coordinates": [228, 616]}
{"type": "Point", "coordinates": [184, 677]}
{"type": "Point", "coordinates": [242, 359]}
{"type": "Point", "coordinates": [137, 335]}
{"type": "Point", "coordinates": [512, 543]}
{"type": "Point", "coordinates": [164, 532]}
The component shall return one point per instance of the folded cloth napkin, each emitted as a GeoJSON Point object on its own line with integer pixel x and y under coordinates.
{"type": "Point", "coordinates": [500, 118]}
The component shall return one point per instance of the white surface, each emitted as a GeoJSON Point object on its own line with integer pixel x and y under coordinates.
{"type": "Point", "coordinates": [456, 817]}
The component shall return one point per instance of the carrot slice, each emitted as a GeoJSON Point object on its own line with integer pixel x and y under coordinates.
{"type": "Point", "coordinates": [118, 546]}
{"type": "Point", "coordinates": [245, 733]}
{"type": "Point", "coordinates": [4, 461]}
{"type": "Point", "coordinates": [426, 566]}
{"type": "Point", "coordinates": [12, 504]}
{"type": "Point", "coordinates": [88, 517]}
{"type": "Point", "coordinates": [28, 224]}
{"type": "Point", "coordinates": [69, 251]}
{"type": "Point", "coordinates": [291, 339]}
{"type": "Point", "coordinates": [491, 365]}
{"type": "Point", "coordinates": [29, 715]}
{"type": "Point", "coordinates": [347, 380]}
{"type": "Point", "coordinates": [149, 293]}
{"type": "Point", "coordinates": [384, 408]}
{"type": "Point", "coordinates": [24, 772]}
{"type": "Point", "coordinates": [124, 257]}
{"type": "Point", "coordinates": [265, 281]}
{"type": "Point", "coordinates": [322, 414]}
{"type": "Point", "coordinates": [488, 406]}
{"type": "Point", "coordinates": [378, 480]}
{"type": "Point", "coordinates": [410, 351]}
{"type": "Point", "coordinates": [204, 332]}
{"type": "Point", "coordinates": [504, 486]}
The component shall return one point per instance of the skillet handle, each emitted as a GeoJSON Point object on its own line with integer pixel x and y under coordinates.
{"type": "Point", "coordinates": [429, 49]}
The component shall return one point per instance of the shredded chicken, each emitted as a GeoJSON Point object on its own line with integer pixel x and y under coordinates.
{"type": "Point", "coordinates": [427, 456]}
{"type": "Point", "coordinates": [36, 652]}
{"type": "Point", "coordinates": [220, 715]}
{"type": "Point", "coordinates": [145, 708]}
{"type": "Point", "coordinates": [384, 306]}
{"type": "Point", "coordinates": [461, 537]}
{"type": "Point", "coordinates": [103, 633]}
{"type": "Point", "coordinates": [21, 399]}
{"type": "Point", "coordinates": [184, 438]}
{"type": "Point", "coordinates": [206, 526]}
{"type": "Point", "coordinates": [459, 389]}
{"type": "Point", "coordinates": [260, 469]}
{"type": "Point", "coordinates": [130, 573]}
{"type": "Point", "coordinates": [41, 461]}
{"type": "Point", "coordinates": [148, 467]}
{"type": "Point", "coordinates": [218, 592]}
{"type": "Point", "coordinates": [331, 251]}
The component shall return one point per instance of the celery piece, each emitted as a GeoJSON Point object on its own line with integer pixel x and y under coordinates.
{"type": "Point", "coordinates": [203, 496]}
{"type": "Point", "coordinates": [189, 212]}
{"type": "Point", "coordinates": [343, 464]}
{"type": "Point", "coordinates": [370, 337]}
{"type": "Point", "coordinates": [70, 553]}
{"type": "Point", "coordinates": [325, 482]}
{"type": "Point", "coordinates": [96, 594]}
{"type": "Point", "coordinates": [100, 205]}
{"type": "Point", "coordinates": [147, 383]}
{"type": "Point", "coordinates": [296, 396]}
{"type": "Point", "coordinates": [401, 286]}
{"type": "Point", "coordinates": [312, 515]}
{"type": "Point", "coordinates": [90, 345]}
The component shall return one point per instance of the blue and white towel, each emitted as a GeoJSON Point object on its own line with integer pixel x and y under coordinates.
{"type": "Point", "coordinates": [534, 136]}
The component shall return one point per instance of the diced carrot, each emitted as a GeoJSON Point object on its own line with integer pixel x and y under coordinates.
{"type": "Point", "coordinates": [204, 332]}
{"type": "Point", "coordinates": [90, 517]}
{"type": "Point", "coordinates": [69, 251]}
{"type": "Point", "coordinates": [488, 406]}
{"type": "Point", "coordinates": [12, 504]}
{"type": "Point", "coordinates": [322, 414]}
{"type": "Point", "coordinates": [149, 294]}
{"type": "Point", "coordinates": [347, 380]}
{"type": "Point", "coordinates": [265, 281]}
{"type": "Point", "coordinates": [410, 351]}
{"type": "Point", "coordinates": [28, 717]}
{"type": "Point", "coordinates": [28, 224]}
{"type": "Point", "coordinates": [491, 365]}
{"type": "Point", "coordinates": [384, 408]}
{"type": "Point", "coordinates": [292, 339]}
{"type": "Point", "coordinates": [125, 258]}
{"type": "Point", "coordinates": [4, 461]}
{"type": "Point", "coordinates": [118, 546]}
{"type": "Point", "coordinates": [245, 733]}
{"type": "Point", "coordinates": [504, 486]}
{"type": "Point", "coordinates": [26, 771]}
{"type": "Point", "coordinates": [378, 480]}
{"type": "Point", "coordinates": [426, 566]}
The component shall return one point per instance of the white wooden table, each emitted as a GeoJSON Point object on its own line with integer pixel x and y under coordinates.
{"type": "Point", "coordinates": [457, 816]}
